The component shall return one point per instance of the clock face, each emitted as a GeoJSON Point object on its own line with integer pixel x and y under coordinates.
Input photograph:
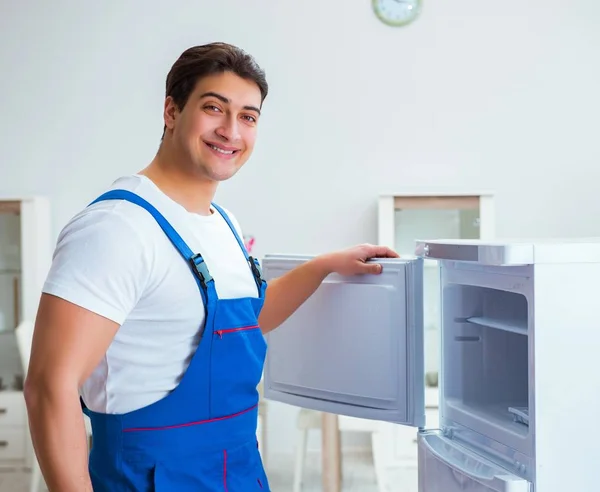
{"type": "Point", "coordinates": [397, 12]}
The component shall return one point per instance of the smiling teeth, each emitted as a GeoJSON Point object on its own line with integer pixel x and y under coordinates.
{"type": "Point", "coordinates": [227, 152]}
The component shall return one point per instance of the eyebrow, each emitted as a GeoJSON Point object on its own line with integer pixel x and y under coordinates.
{"type": "Point", "coordinates": [227, 101]}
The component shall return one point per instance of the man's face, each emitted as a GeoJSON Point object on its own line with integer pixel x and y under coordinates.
{"type": "Point", "coordinates": [216, 130]}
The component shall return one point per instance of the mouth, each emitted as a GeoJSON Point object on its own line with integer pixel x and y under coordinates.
{"type": "Point", "coordinates": [222, 151]}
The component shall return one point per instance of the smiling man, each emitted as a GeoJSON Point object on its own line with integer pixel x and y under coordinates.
{"type": "Point", "coordinates": [153, 313]}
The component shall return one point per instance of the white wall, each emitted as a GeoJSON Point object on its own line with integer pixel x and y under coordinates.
{"type": "Point", "coordinates": [481, 94]}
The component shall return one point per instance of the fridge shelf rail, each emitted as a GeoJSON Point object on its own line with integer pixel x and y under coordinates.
{"type": "Point", "coordinates": [520, 414]}
{"type": "Point", "coordinates": [518, 326]}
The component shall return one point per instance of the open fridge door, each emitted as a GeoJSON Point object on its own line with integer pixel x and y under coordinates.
{"type": "Point", "coordinates": [355, 347]}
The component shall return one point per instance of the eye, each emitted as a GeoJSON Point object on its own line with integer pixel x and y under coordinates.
{"type": "Point", "coordinates": [212, 108]}
{"type": "Point", "coordinates": [249, 118]}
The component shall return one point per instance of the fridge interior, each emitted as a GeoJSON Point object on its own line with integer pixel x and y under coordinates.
{"type": "Point", "coordinates": [486, 363]}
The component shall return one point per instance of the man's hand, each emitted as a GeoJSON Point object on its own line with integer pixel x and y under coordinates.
{"type": "Point", "coordinates": [353, 261]}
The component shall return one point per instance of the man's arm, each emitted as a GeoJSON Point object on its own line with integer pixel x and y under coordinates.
{"type": "Point", "coordinates": [68, 343]}
{"type": "Point", "coordinates": [287, 293]}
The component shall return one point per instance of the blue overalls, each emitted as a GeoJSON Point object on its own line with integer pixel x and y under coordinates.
{"type": "Point", "coordinates": [202, 435]}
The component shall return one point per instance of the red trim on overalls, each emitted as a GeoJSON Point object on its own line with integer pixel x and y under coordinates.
{"type": "Point", "coordinates": [225, 469]}
{"type": "Point", "coordinates": [189, 424]}
{"type": "Point", "coordinates": [233, 330]}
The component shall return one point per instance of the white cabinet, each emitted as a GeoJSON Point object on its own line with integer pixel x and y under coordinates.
{"type": "Point", "coordinates": [25, 256]}
{"type": "Point", "coordinates": [13, 433]}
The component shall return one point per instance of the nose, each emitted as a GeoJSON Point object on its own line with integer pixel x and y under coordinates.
{"type": "Point", "coordinates": [229, 129]}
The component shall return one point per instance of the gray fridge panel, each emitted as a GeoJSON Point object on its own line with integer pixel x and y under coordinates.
{"type": "Point", "coordinates": [355, 347]}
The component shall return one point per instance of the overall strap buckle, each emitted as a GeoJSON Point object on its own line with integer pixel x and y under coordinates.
{"type": "Point", "coordinates": [256, 270]}
{"type": "Point", "coordinates": [200, 269]}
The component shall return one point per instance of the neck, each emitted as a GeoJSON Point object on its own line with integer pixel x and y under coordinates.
{"type": "Point", "coordinates": [191, 191]}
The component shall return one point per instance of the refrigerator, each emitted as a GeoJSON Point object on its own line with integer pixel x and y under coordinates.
{"type": "Point", "coordinates": [519, 395]}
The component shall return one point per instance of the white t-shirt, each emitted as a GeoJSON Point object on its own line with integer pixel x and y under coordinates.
{"type": "Point", "coordinates": [113, 259]}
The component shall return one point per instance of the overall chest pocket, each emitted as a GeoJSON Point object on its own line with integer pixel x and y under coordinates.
{"type": "Point", "coordinates": [237, 357]}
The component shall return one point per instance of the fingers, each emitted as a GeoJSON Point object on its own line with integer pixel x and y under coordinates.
{"type": "Point", "coordinates": [363, 268]}
{"type": "Point", "coordinates": [374, 251]}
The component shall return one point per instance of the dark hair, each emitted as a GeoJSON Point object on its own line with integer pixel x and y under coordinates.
{"type": "Point", "coordinates": [209, 59]}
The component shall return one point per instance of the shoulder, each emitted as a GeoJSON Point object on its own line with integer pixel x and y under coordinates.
{"type": "Point", "coordinates": [111, 221]}
{"type": "Point", "coordinates": [233, 219]}
{"type": "Point", "coordinates": [104, 258]}
{"type": "Point", "coordinates": [105, 222]}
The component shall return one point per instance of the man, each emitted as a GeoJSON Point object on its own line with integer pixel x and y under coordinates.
{"type": "Point", "coordinates": [153, 314]}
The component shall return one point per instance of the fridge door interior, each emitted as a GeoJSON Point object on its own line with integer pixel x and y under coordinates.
{"type": "Point", "coordinates": [445, 466]}
{"type": "Point", "coordinates": [355, 347]}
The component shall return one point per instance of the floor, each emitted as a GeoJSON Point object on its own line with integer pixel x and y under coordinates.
{"type": "Point", "coordinates": [359, 476]}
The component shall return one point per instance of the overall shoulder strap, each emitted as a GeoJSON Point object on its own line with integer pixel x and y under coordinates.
{"type": "Point", "coordinates": [253, 262]}
{"type": "Point", "coordinates": [195, 261]}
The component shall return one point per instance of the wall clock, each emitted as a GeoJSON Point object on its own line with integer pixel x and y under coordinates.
{"type": "Point", "coordinates": [397, 13]}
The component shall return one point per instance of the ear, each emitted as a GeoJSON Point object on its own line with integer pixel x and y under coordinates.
{"type": "Point", "coordinates": [170, 113]}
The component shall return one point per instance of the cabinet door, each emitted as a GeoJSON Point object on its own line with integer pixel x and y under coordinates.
{"type": "Point", "coordinates": [355, 347]}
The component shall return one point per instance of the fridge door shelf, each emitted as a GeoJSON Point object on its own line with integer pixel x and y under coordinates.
{"type": "Point", "coordinates": [355, 347]}
{"type": "Point", "coordinates": [446, 466]}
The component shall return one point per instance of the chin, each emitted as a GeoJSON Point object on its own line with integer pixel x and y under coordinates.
{"type": "Point", "coordinates": [221, 170]}
{"type": "Point", "coordinates": [216, 174]}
